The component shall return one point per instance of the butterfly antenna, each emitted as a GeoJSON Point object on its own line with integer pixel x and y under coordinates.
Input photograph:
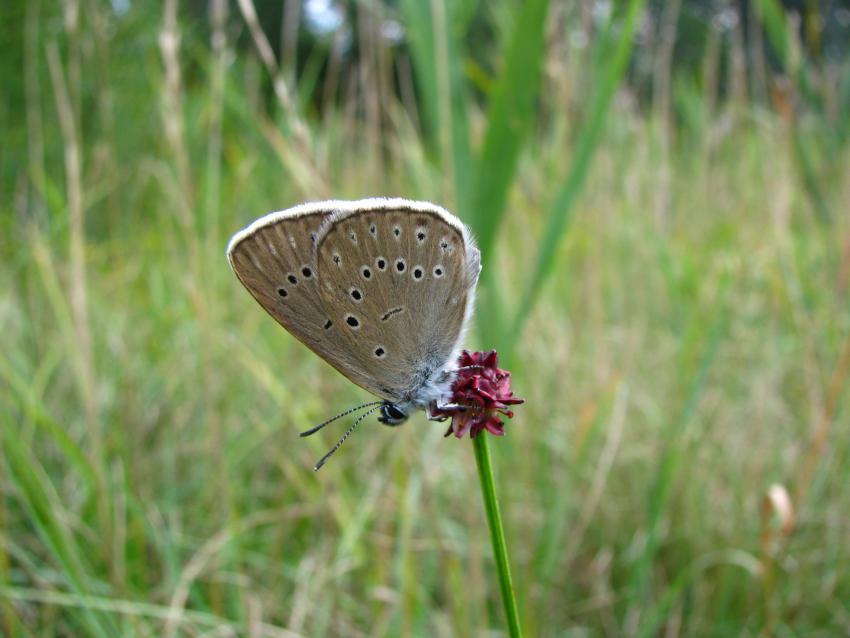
{"type": "Point", "coordinates": [344, 436]}
{"type": "Point", "coordinates": [339, 416]}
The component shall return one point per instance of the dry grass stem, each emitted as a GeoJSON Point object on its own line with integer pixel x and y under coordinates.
{"type": "Point", "coordinates": [77, 244]}
{"type": "Point", "coordinates": [313, 179]}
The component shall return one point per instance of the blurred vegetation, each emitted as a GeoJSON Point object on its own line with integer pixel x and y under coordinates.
{"type": "Point", "coordinates": [660, 193]}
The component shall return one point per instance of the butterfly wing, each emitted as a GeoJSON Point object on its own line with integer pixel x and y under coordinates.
{"type": "Point", "coordinates": [398, 278]}
{"type": "Point", "coordinates": [274, 258]}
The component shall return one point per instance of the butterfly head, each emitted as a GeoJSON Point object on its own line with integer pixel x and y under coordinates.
{"type": "Point", "coordinates": [393, 414]}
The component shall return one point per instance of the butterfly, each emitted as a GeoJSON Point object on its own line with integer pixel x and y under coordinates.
{"type": "Point", "coordinates": [381, 289]}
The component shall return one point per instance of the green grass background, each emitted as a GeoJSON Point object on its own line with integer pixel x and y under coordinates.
{"type": "Point", "coordinates": [667, 280]}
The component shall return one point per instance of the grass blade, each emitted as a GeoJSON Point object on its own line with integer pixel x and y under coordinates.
{"type": "Point", "coordinates": [781, 35]}
{"type": "Point", "coordinates": [37, 412]}
{"type": "Point", "coordinates": [40, 501]}
{"type": "Point", "coordinates": [509, 121]}
{"type": "Point", "coordinates": [586, 146]}
{"type": "Point", "coordinates": [436, 32]}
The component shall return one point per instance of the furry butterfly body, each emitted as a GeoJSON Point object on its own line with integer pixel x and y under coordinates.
{"type": "Point", "coordinates": [381, 289]}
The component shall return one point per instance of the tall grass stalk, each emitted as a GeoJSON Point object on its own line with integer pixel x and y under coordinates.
{"type": "Point", "coordinates": [77, 242]}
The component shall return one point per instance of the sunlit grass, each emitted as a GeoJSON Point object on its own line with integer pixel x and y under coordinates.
{"type": "Point", "coordinates": [681, 359]}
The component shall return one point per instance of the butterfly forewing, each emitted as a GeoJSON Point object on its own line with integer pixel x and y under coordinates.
{"type": "Point", "coordinates": [274, 258]}
{"type": "Point", "coordinates": [398, 280]}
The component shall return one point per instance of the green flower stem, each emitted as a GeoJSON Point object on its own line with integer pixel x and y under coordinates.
{"type": "Point", "coordinates": [497, 533]}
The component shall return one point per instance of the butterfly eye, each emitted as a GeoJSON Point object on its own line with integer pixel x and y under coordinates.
{"type": "Point", "coordinates": [282, 292]}
{"type": "Point", "coordinates": [380, 352]}
{"type": "Point", "coordinates": [420, 235]}
{"type": "Point", "coordinates": [373, 230]}
{"type": "Point", "coordinates": [444, 244]}
{"type": "Point", "coordinates": [356, 294]}
{"type": "Point", "coordinates": [417, 273]}
{"type": "Point", "coordinates": [367, 274]}
{"type": "Point", "coordinates": [352, 321]}
{"type": "Point", "coordinates": [306, 272]}
{"type": "Point", "coordinates": [292, 279]}
{"type": "Point", "coordinates": [397, 231]}
{"type": "Point", "coordinates": [438, 271]}
{"type": "Point", "coordinates": [400, 265]}
{"type": "Point", "coordinates": [381, 263]}
{"type": "Point", "coordinates": [396, 415]}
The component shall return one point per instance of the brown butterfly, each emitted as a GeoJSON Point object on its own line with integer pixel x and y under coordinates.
{"type": "Point", "coordinates": [381, 289]}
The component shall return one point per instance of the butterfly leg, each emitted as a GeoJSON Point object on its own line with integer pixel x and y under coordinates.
{"type": "Point", "coordinates": [434, 414]}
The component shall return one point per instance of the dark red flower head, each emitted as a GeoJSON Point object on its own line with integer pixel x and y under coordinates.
{"type": "Point", "coordinates": [481, 393]}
